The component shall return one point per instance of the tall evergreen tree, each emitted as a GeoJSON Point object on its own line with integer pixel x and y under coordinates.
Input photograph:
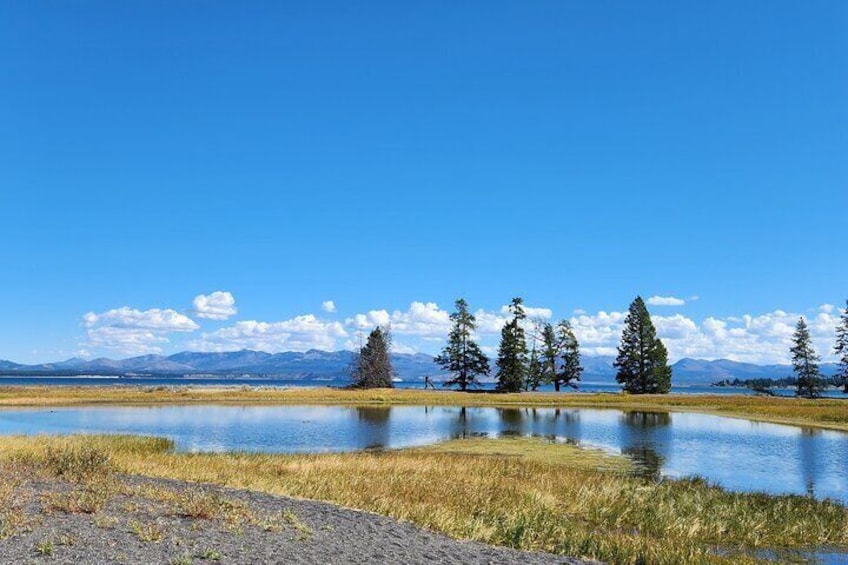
{"type": "Point", "coordinates": [842, 350]}
{"type": "Point", "coordinates": [512, 353]}
{"type": "Point", "coordinates": [642, 360]}
{"type": "Point", "coordinates": [571, 368]}
{"type": "Point", "coordinates": [462, 357]}
{"type": "Point", "coordinates": [551, 350]}
{"type": "Point", "coordinates": [373, 365]}
{"type": "Point", "coordinates": [534, 371]}
{"type": "Point", "coordinates": [560, 355]}
{"type": "Point", "coordinates": [805, 362]}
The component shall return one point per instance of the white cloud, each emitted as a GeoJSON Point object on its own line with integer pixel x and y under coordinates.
{"type": "Point", "coordinates": [531, 312]}
{"type": "Point", "coordinates": [219, 305]}
{"type": "Point", "coordinates": [421, 319]}
{"type": "Point", "coordinates": [598, 334]}
{"type": "Point", "coordinates": [424, 319]}
{"type": "Point", "coordinates": [371, 319]}
{"type": "Point", "coordinates": [427, 321]}
{"type": "Point", "coordinates": [328, 306]}
{"type": "Point", "coordinates": [300, 333]}
{"type": "Point", "coordinates": [763, 338]}
{"type": "Point", "coordinates": [134, 331]}
{"type": "Point", "coordinates": [666, 301]}
{"type": "Point", "coordinates": [489, 323]}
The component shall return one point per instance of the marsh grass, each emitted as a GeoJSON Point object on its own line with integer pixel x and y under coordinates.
{"type": "Point", "coordinates": [12, 498]}
{"type": "Point", "coordinates": [85, 499]}
{"type": "Point", "coordinates": [822, 412]}
{"type": "Point", "coordinates": [79, 463]}
{"type": "Point", "coordinates": [150, 532]}
{"type": "Point", "coordinates": [523, 493]}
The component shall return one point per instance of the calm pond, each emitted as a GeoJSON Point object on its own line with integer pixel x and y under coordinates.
{"type": "Point", "coordinates": [738, 454]}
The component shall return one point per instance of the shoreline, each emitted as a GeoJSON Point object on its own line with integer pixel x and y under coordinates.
{"type": "Point", "coordinates": [823, 413]}
{"type": "Point", "coordinates": [523, 494]}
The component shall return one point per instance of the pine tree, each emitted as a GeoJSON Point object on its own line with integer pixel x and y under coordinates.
{"type": "Point", "coordinates": [571, 368]}
{"type": "Point", "coordinates": [512, 353]}
{"type": "Point", "coordinates": [534, 371]}
{"type": "Point", "coordinates": [805, 362]}
{"type": "Point", "coordinates": [551, 350]}
{"type": "Point", "coordinates": [560, 356]}
{"type": "Point", "coordinates": [462, 357]}
{"type": "Point", "coordinates": [642, 360]}
{"type": "Point", "coordinates": [841, 349]}
{"type": "Point", "coordinates": [373, 365]}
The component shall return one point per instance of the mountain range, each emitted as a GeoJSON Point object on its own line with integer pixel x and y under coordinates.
{"type": "Point", "coordinates": [328, 365]}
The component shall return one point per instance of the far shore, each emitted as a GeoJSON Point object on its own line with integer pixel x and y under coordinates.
{"type": "Point", "coordinates": [826, 413]}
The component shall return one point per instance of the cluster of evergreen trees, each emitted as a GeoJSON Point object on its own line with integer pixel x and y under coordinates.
{"type": "Point", "coordinates": [805, 361]}
{"type": "Point", "coordinates": [555, 361]}
{"type": "Point", "coordinates": [554, 358]}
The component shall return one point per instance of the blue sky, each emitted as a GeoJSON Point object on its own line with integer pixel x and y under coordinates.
{"type": "Point", "coordinates": [386, 154]}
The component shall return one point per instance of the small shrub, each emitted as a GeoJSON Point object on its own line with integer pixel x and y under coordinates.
{"type": "Point", "coordinates": [105, 522]}
{"type": "Point", "coordinates": [210, 554]}
{"type": "Point", "coordinates": [67, 539]}
{"type": "Point", "coordinates": [197, 503]}
{"type": "Point", "coordinates": [79, 464]}
{"type": "Point", "coordinates": [304, 532]}
{"type": "Point", "coordinates": [45, 548]}
{"type": "Point", "coordinates": [151, 532]}
{"type": "Point", "coordinates": [82, 500]}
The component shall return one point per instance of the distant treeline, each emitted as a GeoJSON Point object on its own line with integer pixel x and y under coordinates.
{"type": "Point", "coordinates": [786, 382]}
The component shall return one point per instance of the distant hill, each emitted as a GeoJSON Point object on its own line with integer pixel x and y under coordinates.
{"type": "Point", "coordinates": [696, 371]}
{"type": "Point", "coordinates": [324, 365]}
{"type": "Point", "coordinates": [312, 364]}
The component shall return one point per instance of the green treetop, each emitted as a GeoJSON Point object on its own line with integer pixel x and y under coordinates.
{"type": "Point", "coordinates": [462, 357]}
{"type": "Point", "coordinates": [805, 362]}
{"type": "Point", "coordinates": [842, 349]}
{"type": "Point", "coordinates": [642, 360]}
{"type": "Point", "coordinates": [512, 353]}
{"type": "Point", "coordinates": [373, 366]}
{"type": "Point", "coordinates": [560, 355]}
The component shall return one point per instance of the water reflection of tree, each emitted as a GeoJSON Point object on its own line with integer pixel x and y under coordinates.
{"type": "Point", "coordinates": [648, 463]}
{"type": "Point", "coordinates": [809, 461]}
{"type": "Point", "coordinates": [512, 417]}
{"type": "Point", "coordinates": [638, 444]}
{"type": "Point", "coordinates": [459, 427]}
{"type": "Point", "coordinates": [513, 421]}
{"type": "Point", "coordinates": [376, 430]}
{"type": "Point", "coordinates": [635, 419]}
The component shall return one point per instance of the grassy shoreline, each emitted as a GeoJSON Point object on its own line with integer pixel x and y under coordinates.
{"type": "Point", "coordinates": [819, 413]}
{"type": "Point", "coordinates": [521, 493]}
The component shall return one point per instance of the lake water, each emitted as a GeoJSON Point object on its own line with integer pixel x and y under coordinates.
{"type": "Point", "coordinates": [738, 454]}
{"type": "Point", "coordinates": [17, 380]}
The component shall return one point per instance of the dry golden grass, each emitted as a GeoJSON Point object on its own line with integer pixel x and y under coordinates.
{"type": "Point", "coordinates": [523, 493]}
{"type": "Point", "coordinates": [12, 500]}
{"type": "Point", "coordinates": [824, 413]}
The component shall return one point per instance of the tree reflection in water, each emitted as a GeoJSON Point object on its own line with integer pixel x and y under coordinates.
{"type": "Point", "coordinates": [636, 445]}
{"type": "Point", "coordinates": [376, 429]}
{"type": "Point", "coordinates": [648, 463]}
{"type": "Point", "coordinates": [808, 460]}
{"type": "Point", "coordinates": [635, 419]}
